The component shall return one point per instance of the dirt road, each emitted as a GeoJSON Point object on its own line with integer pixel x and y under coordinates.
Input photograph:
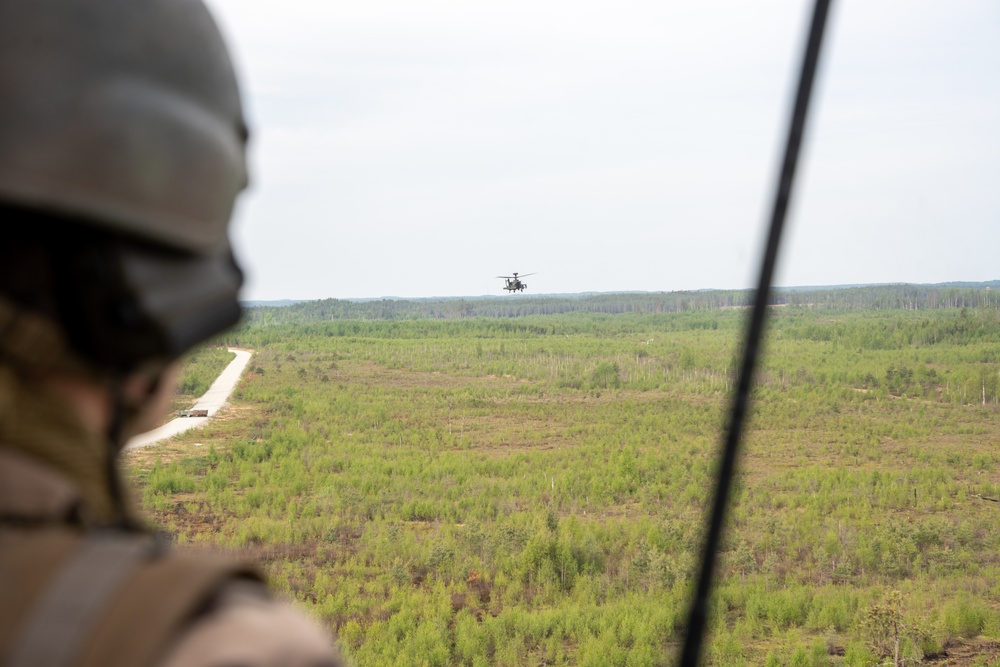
{"type": "Point", "coordinates": [211, 400]}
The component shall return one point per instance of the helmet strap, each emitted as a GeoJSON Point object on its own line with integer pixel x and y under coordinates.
{"type": "Point", "coordinates": [121, 413]}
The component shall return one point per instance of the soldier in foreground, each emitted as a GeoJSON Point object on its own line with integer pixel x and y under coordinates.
{"type": "Point", "coordinates": [121, 153]}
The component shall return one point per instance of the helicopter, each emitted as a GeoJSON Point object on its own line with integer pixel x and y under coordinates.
{"type": "Point", "coordinates": [514, 283]}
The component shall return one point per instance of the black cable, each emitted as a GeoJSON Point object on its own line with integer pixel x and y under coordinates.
{"type": "Point", "coordinates": [699, 607]}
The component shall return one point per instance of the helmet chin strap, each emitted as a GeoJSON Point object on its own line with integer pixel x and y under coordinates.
{"type": "Point", "coordinates": [121, 413]}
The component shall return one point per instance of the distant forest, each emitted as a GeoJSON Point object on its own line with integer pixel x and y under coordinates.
{"type": "Point", "coordinates": [846, 299]}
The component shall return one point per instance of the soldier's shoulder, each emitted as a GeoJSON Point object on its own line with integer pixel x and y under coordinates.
{"type": "Point", "coordinates": [246, 627]}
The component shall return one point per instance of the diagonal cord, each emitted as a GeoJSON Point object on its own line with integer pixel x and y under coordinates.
{"type": "Point", "coordinates": [699, 607]}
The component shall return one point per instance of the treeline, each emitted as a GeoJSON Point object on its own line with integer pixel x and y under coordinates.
{"type": "Point", "coordinates": [593, 324]}
{"type": "Point", "coordinates": [897, 297]}
{"type": "Point", "coordinates": [850, 299]}
{"type": "Point", "coordinates": [878, 332]}
{"type": "Point", "coordinates": [511, 307]}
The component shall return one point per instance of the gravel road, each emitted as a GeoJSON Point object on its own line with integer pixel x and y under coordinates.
{"type": "Point", "coordinates": [211, 400]}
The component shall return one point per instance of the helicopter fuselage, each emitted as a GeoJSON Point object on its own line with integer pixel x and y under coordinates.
{"type": "Point", "coordinates": [514, 283]}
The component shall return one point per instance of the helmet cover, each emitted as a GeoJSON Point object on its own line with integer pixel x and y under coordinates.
{"type": "Point", "coordinates": [122, 113]}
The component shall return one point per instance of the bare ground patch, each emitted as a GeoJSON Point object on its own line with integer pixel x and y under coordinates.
{"type": "Point", "coordinates": [967, 654]}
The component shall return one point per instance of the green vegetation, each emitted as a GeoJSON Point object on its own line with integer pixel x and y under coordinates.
{"type": "Point", "coordinates": [532, 490]}
{"type": "Point", "coordinates": [851, 299]}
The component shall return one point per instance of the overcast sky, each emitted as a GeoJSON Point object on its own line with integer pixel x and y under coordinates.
{"type": "Point", "coordinates": [419, 148]}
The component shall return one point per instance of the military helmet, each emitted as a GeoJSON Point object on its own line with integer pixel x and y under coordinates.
{"type": "Point", "coordinates": [122, 120]}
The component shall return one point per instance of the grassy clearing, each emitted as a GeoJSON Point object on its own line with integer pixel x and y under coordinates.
{"type": "Point", "coordinates": [529, 491]}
